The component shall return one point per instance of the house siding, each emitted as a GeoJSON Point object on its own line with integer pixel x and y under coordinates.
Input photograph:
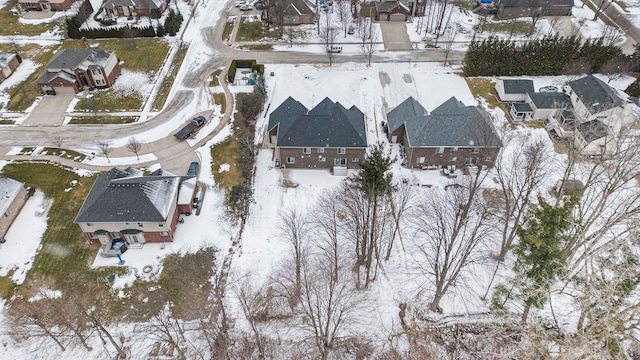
{"type": "Point", "coordinates": [312, 161]}
{"type": "Point", "coordinates": [12, 212]}
{"type": "Point", "coordinates": [432, 158]}
{"type": "Point", "coordinates": [58, 82]}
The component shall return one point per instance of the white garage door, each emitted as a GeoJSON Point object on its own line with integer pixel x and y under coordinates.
{"type": "Point", "coordinates": [397, 17]}
{"type": "Point", "coordinates": [64, 90]}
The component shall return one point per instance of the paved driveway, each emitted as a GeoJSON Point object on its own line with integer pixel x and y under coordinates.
{"type": "Point", "coordinates": [50, 111]}
{"type": "Point", "coordinates": [394, 35]}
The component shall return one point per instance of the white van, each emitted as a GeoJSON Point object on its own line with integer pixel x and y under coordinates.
{"type": "Point", "coordinates": [334, 49]}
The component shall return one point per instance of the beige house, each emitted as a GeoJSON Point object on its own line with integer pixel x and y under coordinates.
{"type": "Point", "coordinates": [44, 5]}
{"type": "Point", "coordinates": [8, 64]}
{"type": "Point", "coordinates": [12, 201]}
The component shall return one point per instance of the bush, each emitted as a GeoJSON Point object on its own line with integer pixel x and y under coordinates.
{"type": "Point", "coordinates": [634, 88]}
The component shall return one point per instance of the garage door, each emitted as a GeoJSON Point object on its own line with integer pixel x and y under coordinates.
{"type": "Point", "coordinates": [64, 90]}
{"type": "Point", "coordinates": [397, 17]}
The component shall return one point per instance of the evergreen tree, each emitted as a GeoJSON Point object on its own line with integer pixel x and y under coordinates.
{"type": "Point", "coordinates": [539, 252]}
{"type": "Point", "coordinates": [373, 179]}
{"type": "Point", "coordinates": [634, 88]}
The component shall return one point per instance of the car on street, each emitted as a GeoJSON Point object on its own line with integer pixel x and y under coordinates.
{"type": "Point", "coordinates": [194, 168]}
{"type": "Point", "coordinates": [246, 7]}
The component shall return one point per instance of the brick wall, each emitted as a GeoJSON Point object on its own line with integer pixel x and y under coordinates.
{"type": "Point", "coordinates": [313, 161]}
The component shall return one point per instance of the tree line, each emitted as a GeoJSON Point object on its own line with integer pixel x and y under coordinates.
{"type": "Point", "coordinates": [547, 56]}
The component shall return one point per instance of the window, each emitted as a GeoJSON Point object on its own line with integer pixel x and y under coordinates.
{"type": "Point", "coordinates": [93, 236]}
{"type": "Point", "coordinates": [115, 235]}
{"type": "Point", "coordinates": [164, 233]}
{"type": "Point", "coordinates": [342, 151]}
{"type": "Point", "coordinates": [140, 225]}
{"type": "Point", "coordinates": [339, 161]}
{"type": "Point", "coordinates": [439, 150]}
{"type": "Point", "coordinates": [321, 150]}
{"type": "Point", "coordinates": [306, 150]}
{"type": "Point", "coordinates": [322, 158]}
{"type": "Point", "coordinates": [454, 159]}
{"type": "Point", "coordinates": [89, 224]}
{"type": "Point", "coordinates": [291, 160]}
{"type": "Point", "coordinates": [99, 82]}
{"type": "Point", "coordinates": [475, 150]}
{"type": "Point", "coordinates": [132, 238]}
{"type": "Point", "coordinates": [455, 148]}
{"type": "Point", "coordinates": [420, 160]}
{"type": "Point", "coordinates": [355, 160]}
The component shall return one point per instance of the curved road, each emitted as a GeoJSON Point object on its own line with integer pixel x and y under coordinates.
{"type": "Point", "coordinates": [168, 150]}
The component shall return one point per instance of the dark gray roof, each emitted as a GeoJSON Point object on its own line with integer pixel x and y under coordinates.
{"type": "Point", "coordinates": [593, 130]}
{"type": "Point", "coordinates": [454, 124]}
{"type": "Point", "coordinates": [328, 124]}
{"type": "Point", "coordinates": [297, 7]}
{"type": "Point", "coordinates": [388, 5]}
{"type": "Point", "coordinates": [550, 100]}
{"type": "Point", "coordinates": [144, 4]}
{"type": "Point", "coordinates": [517, 86]}
{"type": "Point", "coordinates": [66, 61]}
{"type": "Point", "coordinates": [128, 196]}
{"type": "Point", "coordinates": [522, 107]}
{"type": "Point", "coordinates": [536, 3]}
{"type": "Point", "coordinates": [595, 94]}
{"type": "Point", "coordinates": [409, 110]}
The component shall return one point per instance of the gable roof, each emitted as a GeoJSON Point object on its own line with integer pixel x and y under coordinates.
{"type": "Point", "coordinates": [453, 124]}
{"type": "Point", "coordinates": [66, 61]}
{"type": "Point", "coordinates": [328, 124]}
{"type": "Point", "coordinates": [9, 189]}
{"type": "Point", "coordinates": [517, 86]}
{"type": "Point", "coordinates": [593, 130]}
{"type": "Point", "coordinates": [595, 94]}
{"type": "Point", "coordinates": [297, 7]}
{"type": "Point", "coordinates": [550, 100]}
{"type": "Point", "coordinates": [389, 5]}
{"type": "Point", "coordinates": [409, 110]}
{"type": "Point", "coordinates": [129, 196]}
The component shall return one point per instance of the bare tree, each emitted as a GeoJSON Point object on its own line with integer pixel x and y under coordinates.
{"type": "Point", "coordinates": [328, 34]}
{"type": "Point", "coordinates": [449, 227]}
{"type": "Point", "coordinates": [275, 13]}
{"type": "Point", "coordinates": [39, 319]}
{"type": "Point", "coordinates": [615, 68]}
{"type": "Point", "coordinates": [105, 148]}
{"type": "Point", "coordinates": [134, 146]}
{"type": "Point", "coordinates": [448, 40]}
{"type": "Point", "coordinates": [342, 8]}
{"type": "Point", "coordinates": [369, 39]}
{"type": "Point", "coordinates": [255, 306]}
{"type": "Point", "coordinates": [601, 6]}
{"type": "Point", "coordinates": [576, 69]}
{"type": "Point", "coordinates": [58, 140]}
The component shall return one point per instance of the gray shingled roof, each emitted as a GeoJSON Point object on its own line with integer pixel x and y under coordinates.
{"type": "Point", "coordinates": [551, 100]}
{"type": "Point", "coordinates": [593, 130]}
{"type": "Point", "coordinates": [328, 124]}
{"type": "Point", "coordinates": [409, 110]}
{"type": "Point", "coordinates": [297, 7]}
{"type": "Point", "coordinates": [386, 6]}
{"type": "Point", "coordinates": [128, 196]}
{"type": "Point", "coordinates": [453, 124]}
{"type": "Point", "coordinates": [517, 86]}
{"type": "Point", "coordinates": [9, 189]}
{"type": "Point", "coordinates": [522, 107]}
{"type": "Point", "coordinates": [595, 94]}
{"type": "Point", "coordinates": [66, 61]}
{"type": "Point", "coordinates": [147, 4]}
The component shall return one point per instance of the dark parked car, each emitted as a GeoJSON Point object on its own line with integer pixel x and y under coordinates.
{"type": "Point", "coordinates": [193, 169]}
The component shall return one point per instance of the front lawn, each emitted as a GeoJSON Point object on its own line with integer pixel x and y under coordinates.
{"type": "Point", "coordinates": [253, 30]}
{"type": "Point", "coordinates": [226, 152]}
{"type": "Point", "coordinates": [102, 120]}
{"type": "Point", "coordinates": [109, 100]}
{"type": "Point", "coordinates": [483, 88]}
{"type": "Point", "coordinates": [9, 23]}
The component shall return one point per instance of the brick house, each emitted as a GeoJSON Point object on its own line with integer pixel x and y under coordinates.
{"type": "Point", "coordinates": [72, 70]}
{"type": "Point", "coordinates": [453, 134]}
{"type": "Point", "coordinates": [8, 64]}
{"type": "Point", "coordinates": [295, 12]}
{"type": "Point", "coordinates": [44, 5]}
{"type": "Point", "coordinates": [329, 136]}
{"type": "Point", "coordinates": [136, 8]}
{"type": "Point", "coordinates": [128, 206]}
{"type": "Point", "coordinates": [510, 9]}
{"type": "Point", "coordinates": [12, 201]}
{"type": "Point", "coordinates": [392, 10]}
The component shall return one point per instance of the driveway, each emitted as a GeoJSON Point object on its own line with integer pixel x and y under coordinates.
{"type": "Point", "coordinates": [394, 35]}
{"type": "Point", "coordinates": [50, 111]}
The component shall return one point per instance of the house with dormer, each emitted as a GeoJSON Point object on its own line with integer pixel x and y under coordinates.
{"type": "Point", "coordinates": [72, 70]}
{"type": "Point", "coordinates": [453, 135]}
{"type": "Point", "coordinates": [328, 136]}
{"type": "Point", "coordinates": [127, 206]}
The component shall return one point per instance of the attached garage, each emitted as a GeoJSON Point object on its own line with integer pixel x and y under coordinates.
{"type": "Point", "coordinates": [64, 90]}
{"type": "Point", "coordinates": [397, 17]}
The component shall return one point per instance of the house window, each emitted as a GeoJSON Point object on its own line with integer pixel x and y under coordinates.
{"type": "Point", "coordinates": [454, 159]}
{"type": "Point", "coordinates": [342, 151]}
{"type": "Point", "coordinates": [487, 159]}
{"type": "Point", "coordinates": [455, 148]}
{"type": "Point", "coordinates": [439, 150]}
{"type": "Point", "coordinates": [6, 213]}
{"type": "Point", "coordinates": [322, 158]}
{"type": "Point", "coordinates": [291, 160]}
{"type": "Point", "coordinates": [306, 150]}
{"type": "Point", "coordinates": [321, 150]}
{"type": "Point", "coordinates": [115, 235]}
{"type": "Point", "coordinates": [475, 150]}
{"type": "Point", "coordinates": [92, 235]}
{"type": "Point", "coordinates": [99, 82]}
{"type": "Point", "coordinates": [420, 160]}
{"type": "Point", "coordinates": [95, 72]}
{"type": "Point", "coordinates": [355, 160]}
{"type": "Point", "coordinates": [164, 233]}
{"type": "Point", "coordinates": [140, 225]}
{"type": "Point", "coordinates": [89, 224]}
{"type": "Point", "coordinates": [339, 161]}
{"type": "Point", "coordinates": [133, 238]}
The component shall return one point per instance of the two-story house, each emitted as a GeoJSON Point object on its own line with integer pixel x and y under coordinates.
{"type": "Point", "coordinates": [135, 8]}
{"type": "Point", "coordinates": [452, 135]}
{"type": "Point", "coordinates": [71, 70]}
{"type": "Point", "coordinates": [329, 136]}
